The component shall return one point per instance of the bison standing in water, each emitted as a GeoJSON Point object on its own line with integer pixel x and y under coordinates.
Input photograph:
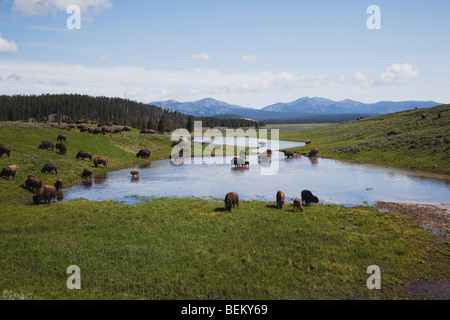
{"type": "Point", "coordinates": [308, 197]}
{"type": "Point", "coordinates": [289, 154]}
{"type": "Point", "coordinates": [143, 154]}
{"type": "Point", "coordinates": [86, 174]}
{"type": "Point", "coordinates": [4, 150]}
{"type": "Point", "coordinates": [280, 199]}
{"type": "Point", "coordinates": [46, 194]}
{"type": "Point", "coordinates": [8, 172]}
{"type": "Point", "coordinates": [84, 154]}
{"type": "Point", "coordinates": [48, 168]}
{"type": "Point", "coordinates": [100, 160]}
{"type": "Point", "coordinates": [231, 199]}
{"type": "Point", "coordinates": [298, 205]}
{"type": "Point", "coordinates": [313, 153]}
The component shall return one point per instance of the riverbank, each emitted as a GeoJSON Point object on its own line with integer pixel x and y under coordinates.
{"type": "Point", "coordinates": [195, 249]}
{"type": "Point", "coordinates": [422, 144]}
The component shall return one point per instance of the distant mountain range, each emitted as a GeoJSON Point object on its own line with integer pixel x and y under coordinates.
{"type": "Point", "coordinates": [304, 107]}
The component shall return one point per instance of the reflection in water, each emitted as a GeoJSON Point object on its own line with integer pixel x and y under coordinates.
{"type": "Point", "coordinates": [101, 179]}
{"type": "Point", "coordinates": [87, 184]}
{"type": "Point", "coordinates": [332, 181]}
{"type": "Point", "coordinates": [145, 165]}
{"type": "Point", "coordinates": [135, 179]}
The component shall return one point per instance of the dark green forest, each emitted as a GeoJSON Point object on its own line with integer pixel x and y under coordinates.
{"type": "Point", "coordinates": [74, 107]}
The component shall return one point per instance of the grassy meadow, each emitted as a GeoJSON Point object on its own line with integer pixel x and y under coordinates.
{"type": "Point", "coordinates": [195, 249]}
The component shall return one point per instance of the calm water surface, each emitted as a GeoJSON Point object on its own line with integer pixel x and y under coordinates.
{"type": "Point", "coordinates": [332, 181]}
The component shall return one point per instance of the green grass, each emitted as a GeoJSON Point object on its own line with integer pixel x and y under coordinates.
{"type": "Point", "coordinates": [194, 249]}
{"type": "Point", "coordinates": [423, 147]}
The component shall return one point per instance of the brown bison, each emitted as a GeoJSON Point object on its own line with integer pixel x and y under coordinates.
{"type": "Point", "coordinates": [48, 168]}
{"type": "Point", "coordinates": [47, 145]}
{"type": "Point", "coordinates": [424, 115]}
{"type": "Point", "coordinates": [143, 154]}
{"type": "Point", "coordinates": [280, 199]}
{"type": "Point", "coordinates": [33, 183]}
{"type": "Point", "coordinates": [289, 154]}
{"type": "Point", "coordinates": [393, 132]}
{"type": "Point", "coordinates": [8, 172]}
{"type": "Point", "coordinates": [46, 194]}
{"type": "Point", "coordinates": [118, 130]}
{"type": "Point", "coordinates": [231, 199]}
{"type": "Point", "coordinates": [126, 129]}
{"type": "Point", "coordinates": [106, 130]}
{"type": "Point", "coordinates": [86, 174]}
{"type": "Point", "coordinates": [61, 138]}
{"type": "Point", "coordinates": [4, 150]}
{"type": "Point", "coordinates": [134, 173]}
{"type": "Point", "coordinates": [58, 185]}
{"type": "Point", "coordinates": [298, 205]}
{"type": "Point", "coordinates": [84, 154]}
{"type": "Point", "coordinates": [313, 153]}
{"type": "Point", "coordinates": [308, 142]}
{"type": "Point", "coordinates": [61, 147]}
{"type": "Point", "coordinates": [100, 160]}
{"type": "Point", "coordinates": [147, 131]}
{"type": "Point", "coordinates": [97, 131]}
{"type": "Point", "coordinates": [308, 197]}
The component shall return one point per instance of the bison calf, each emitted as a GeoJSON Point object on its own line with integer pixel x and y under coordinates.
{"type": "Point", "coordinates": [297, 205]}
{"type": "Point", "coordinates": [231, 199]}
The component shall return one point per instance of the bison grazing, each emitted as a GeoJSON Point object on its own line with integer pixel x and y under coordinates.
{"type": "Point", "coordinates": [297, 205]}
{"type": "Point", "coordinates": [313, 153]}
{"type": "Point", "coordinates": [308, 197]}
{"type": "Point", "coordinates": [4, 150]}
{"type": "Point", "coordinates": [48, 168]}
{"type": "Point", "coordinates": [308, 142]}
{"type": "Point", "coordinates": [143, 154]}
{"type": "Point", "coordinates": [393, 132]}
{"type": "Point", "coordinates": [100, 160]}
{"type": "Point", "coordinates": [97, 131]}
{"type": "Point", "coordinates": [58, 185]}
{"type": "Point", "coordinates": [126, 129]}
{"type": "Point", "coordinates": [8, 172]}
{"type": "Point", "coordinates": [62, 148]}
{"type": "Point", "coordinates": [33, 183]}
{"type": "Point", "coordinates": [86, 174]}
{"type": "Point", "coordinates": [84, 154]}
{"type": "Point", "coordinates": [147, 131]}
{"type": "Point", "coordinates": [231, 199]}
{"type": "Point", "coordinates": [424, 115]}
{"type": "Point", "coordinates": [280, 199]}
{"type": "Point", "coordinates": [46, 194]}
{"type": "Point", "coordinates": [47, 145]}
{"type": "Point", "coordinates": [61, 138]}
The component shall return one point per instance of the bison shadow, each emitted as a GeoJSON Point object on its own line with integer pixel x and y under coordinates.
{"type": "Point", "coordinates": [221, 209]}
{"type": "Point", "coordinates": [272, 206]}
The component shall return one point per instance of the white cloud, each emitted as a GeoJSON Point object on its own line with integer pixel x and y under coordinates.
{"type": "Point", "coordinates": [7, 46]}
{"type": "Point", "coordinates": [396, 74]}
{"type": "Point", "coordinates": [201, 56]}
{"type": "Point", "coordinates": [252, 58]}
{"type": "Point", "coordinates": [41, 7]}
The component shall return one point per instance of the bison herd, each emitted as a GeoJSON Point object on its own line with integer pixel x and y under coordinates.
{"type": "Point", "coordinates": [48, 193]}
{"type": "Point", "coordinates": [232, 200]}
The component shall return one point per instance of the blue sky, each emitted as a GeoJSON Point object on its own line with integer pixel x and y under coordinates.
{"type": "Point", "coordinates": [250, 53]}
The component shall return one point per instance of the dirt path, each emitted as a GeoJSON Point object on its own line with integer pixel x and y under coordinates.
{"type": "Point", "coordinates": [428, 215]}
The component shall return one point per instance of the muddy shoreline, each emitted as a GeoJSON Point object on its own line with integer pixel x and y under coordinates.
{"type": "Point", "coordinates": [428, 215]}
